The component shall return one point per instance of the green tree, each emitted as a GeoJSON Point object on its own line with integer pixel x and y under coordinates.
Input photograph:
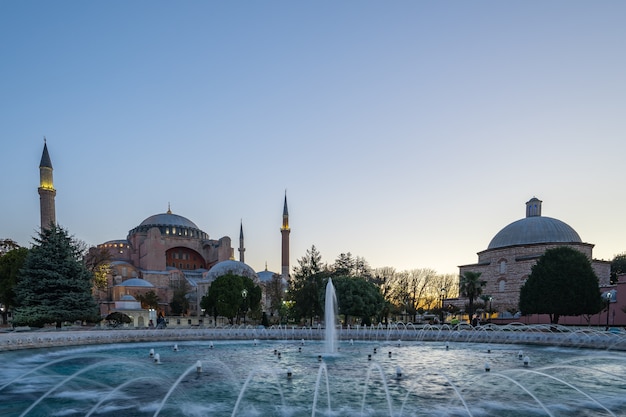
{"type": "Point", "coordinates": [471, 286]}
{"type": "Point", "coordinates": [251, 298]}
{"type": "Point", "coordinates": [344, 265]}
{"type": "Point", "coordinates": [305, 287]}
{"type": "Point", "coordinates": [358, 297]}
{"type": "Point", "coordinates": [54, 285]}
{"type": "Point", "coordinates": [350, 266]}
{"type": "Point", "coordinates": [305, 294]}
{"type": "Point", "coordinates": [561, 283]}
{"type": "Point", "coordinates": [179, 304]}
{"type": "Point", "coordinates": [226, 296]}
{"type": "Point", "coordinates": [309, 264]}
{"type": "Point", "coordinates": [10, 264]}
{"type": "Point", "coordinates": [618, 266]}
{"type": "Point", "coordinates": [148, 300]}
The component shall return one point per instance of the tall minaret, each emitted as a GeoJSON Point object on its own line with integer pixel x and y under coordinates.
{"type": "Point", "coordinates": [46, 190]}
{"type": "Point", "coordinates": [284, 231]}
{"type": "Point", "coordinates": [241, 247]}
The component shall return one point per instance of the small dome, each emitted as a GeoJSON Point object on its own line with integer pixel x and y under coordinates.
{"type": "Point", "coordinates": [232, 267]}
{"type": "Point", "coordinates": [135, 282]}
{"type": "Point", "coordinates": [168, 219]}
{"type": "Point", "coordinates": [533, 230]}
{"type": "Point", "coordinates": [127, 297]}
{"type": "Point", "coordinates": [265, 276]}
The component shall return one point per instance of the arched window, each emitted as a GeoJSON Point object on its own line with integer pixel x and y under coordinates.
{"type": "Point", "coordinates": [502, 285]}
{"type": "Point", "coordinates": [502, 266]}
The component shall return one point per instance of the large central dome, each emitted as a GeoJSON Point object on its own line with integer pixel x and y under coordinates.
{"type": "Point", "coordinates": [171, 225]}
{"type": "Point", "coordinates": [534, 229]}
{"type": "Point", "coordinates": [168, 219]}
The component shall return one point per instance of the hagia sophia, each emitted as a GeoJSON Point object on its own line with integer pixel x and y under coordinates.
{"type": "Point", "coordinates": [167, 249]}
{"type": "Point", "coordinates": [163, 252]}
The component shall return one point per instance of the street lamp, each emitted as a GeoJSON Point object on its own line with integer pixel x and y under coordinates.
{"type": "Point", "coordinates": [490, 310]}
{"type": "Point", "coordinates": [443, 296]}
{"type": "Point", "coordinates": [244, 295]}
{"type": "Point", "coordinates": [608, 308]}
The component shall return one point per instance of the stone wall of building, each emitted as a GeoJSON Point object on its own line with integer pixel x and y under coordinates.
{"type": "Point", "coordinates": [506, 270]}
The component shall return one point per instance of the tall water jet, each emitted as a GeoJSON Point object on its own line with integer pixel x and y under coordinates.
{"type": "Point", "coordinates": [330, 314]}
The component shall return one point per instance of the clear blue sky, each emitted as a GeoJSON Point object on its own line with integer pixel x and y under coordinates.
{"type": "Point", "coordinates": [405, 132]}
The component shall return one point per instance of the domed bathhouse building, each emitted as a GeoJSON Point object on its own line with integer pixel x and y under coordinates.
{"type": "Point", "coordinates": [506, 263]}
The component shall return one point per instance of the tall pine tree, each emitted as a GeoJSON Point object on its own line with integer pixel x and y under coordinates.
{"type": "Point", "coordinates": [54, 285]}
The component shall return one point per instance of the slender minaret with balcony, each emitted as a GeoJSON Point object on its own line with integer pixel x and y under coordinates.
{"type": "Point", "coordinates": [242, 249]}
{"type": "Point", "coordinates": [284, 231]}
{"type": "Point", "coordinates": [46, 190]}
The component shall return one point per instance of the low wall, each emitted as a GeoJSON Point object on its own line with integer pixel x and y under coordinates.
{"type": "Point", "coordinates": [581, 338]}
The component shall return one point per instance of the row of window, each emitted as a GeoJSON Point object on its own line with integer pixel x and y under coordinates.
{"type": "Point", "coordinates": [114, 245]}
{"type": "Point", "coordinates": [180, 266]}
{"type": "Point", "coordinates": [173, 231]}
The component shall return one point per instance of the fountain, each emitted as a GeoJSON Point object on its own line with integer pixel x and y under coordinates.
{"type": "Point", "coordinates": [210, 375]}
{"type": "Point", "coordinates": [237, 378]}
{"type": "Point", "coordinates": [330, 318]}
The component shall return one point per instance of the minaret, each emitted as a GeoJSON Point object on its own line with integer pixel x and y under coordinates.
{"type": "Point", "coordinates": [284, 231]}
{"type": "Point", "coordinates": [46, 190]}
{"type": "Point", "coordinates": [241, 247]}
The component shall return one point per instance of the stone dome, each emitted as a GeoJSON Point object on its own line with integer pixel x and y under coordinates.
{"type": "Point", "coordinates": [135, 282]}
{"type": "Point", "coordinates": [168, 219]}
{"type": "Point", "coordinates": [127, 297]}
{"type": "Point", "coordinates": [265, 276]}
{"type": "Point", "coordinates": [232, 267]}
{"type": "Point", "coordinates": [534, 229]}
{"type": "Point", "coordinates": [171, 225]}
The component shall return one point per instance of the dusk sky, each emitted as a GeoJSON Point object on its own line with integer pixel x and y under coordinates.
{"type": "Point", "coordinates": [405, 132]}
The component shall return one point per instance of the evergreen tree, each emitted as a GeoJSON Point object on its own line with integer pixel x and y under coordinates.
{"type": "Point", "coordinates": [10, 264]}
{"type": "Point", "coordinates": [306, 286]}
{"type": "Point", "coordinates": [561, 283]}
{"type": "Point", "coordinates": [54, 285]}
{"type": "Point", "coordinates": [309, 264]}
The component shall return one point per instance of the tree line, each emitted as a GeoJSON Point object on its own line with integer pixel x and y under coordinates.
{"type": "Point", "coordinates": [54, 282]}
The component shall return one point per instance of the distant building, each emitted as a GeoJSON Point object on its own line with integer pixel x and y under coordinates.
{"type": "Point", "coordinates": [165, 251]}
{"type": "Point", "coordinates": [509, 257]}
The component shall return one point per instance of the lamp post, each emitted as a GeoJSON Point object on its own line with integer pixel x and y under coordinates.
{"type": "Point", "coordinates": [608, 308]}
{"type": "Point", "coordinates": [244, 295]}
{"type": "Point", "coordinates": [443, 296]}
{"type": "Point", "coordinates": [490, 310]}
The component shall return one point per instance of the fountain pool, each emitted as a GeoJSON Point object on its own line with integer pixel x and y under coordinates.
{"type": "Point", "coordinates": [250, 378]}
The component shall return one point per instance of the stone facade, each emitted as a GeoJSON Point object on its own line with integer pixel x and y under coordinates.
{"type": "Point", "coordinates": [163, 250]}
{"type": "Point", "coordinates": [507, 269]}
